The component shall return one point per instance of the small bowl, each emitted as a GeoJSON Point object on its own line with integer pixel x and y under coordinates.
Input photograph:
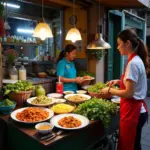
{"type": "Point", "coordinates": [55, 95]}
{"type": "Point", "coordinates": [7, 109]}
{"type": "Point", "coordinates": [44, 131]}
{"type": "Point", "coordinates": [61, 100]}
{"type": "Point", "coordinates": [81, 92]}
{"type": "Point", "coordinates": [68, 92]}
{"type": "Point", "coordinates": [42, 75]}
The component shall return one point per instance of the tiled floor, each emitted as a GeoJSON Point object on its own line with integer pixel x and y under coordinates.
{"type": "Point", "coordinates": [145, 140]}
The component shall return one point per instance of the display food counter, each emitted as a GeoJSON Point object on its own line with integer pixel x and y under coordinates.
{"type": "Point", "coordinates": [16, 136]}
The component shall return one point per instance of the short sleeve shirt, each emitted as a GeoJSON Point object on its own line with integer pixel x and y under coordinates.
{"type": "Point", "coordinates": [67, 69]}
{"type": "Point", "coordinates": [135, 71]}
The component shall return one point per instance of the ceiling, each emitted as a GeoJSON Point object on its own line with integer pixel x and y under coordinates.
{"type": "Point", "coordinates": [112, 4]}
{"type": "Point", "coordinates": [124, 3]}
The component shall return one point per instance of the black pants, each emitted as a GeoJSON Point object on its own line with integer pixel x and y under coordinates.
{"type": "Point", "coordinates": [143, 118]}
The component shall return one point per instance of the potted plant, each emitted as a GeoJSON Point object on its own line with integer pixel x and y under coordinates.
{"type": "Point", "coordinates": [2, 29]}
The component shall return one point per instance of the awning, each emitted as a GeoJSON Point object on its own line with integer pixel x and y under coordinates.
{"type": "Point", "coordinates": [115, 4]}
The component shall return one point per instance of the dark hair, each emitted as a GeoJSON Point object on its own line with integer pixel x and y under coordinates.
{"type": "Point", "coordinates": [137, 44]}
{"type": "Point", "coordinates": [69, 48]}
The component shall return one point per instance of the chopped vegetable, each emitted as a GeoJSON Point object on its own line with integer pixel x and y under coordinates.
{"type": "Point", "coordinates": [6, 102]}
{"type": "Point", "coordinates": [97, 109]}
{"type": "Point", "coordinates": [42, 100]}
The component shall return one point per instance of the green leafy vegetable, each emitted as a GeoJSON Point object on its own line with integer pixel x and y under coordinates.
{"type": "Point", "coordinates": [96, 87]}
{"type": "Point", "coordinates": [18, 87]}
{"type": "Point", "coordinates": [97, 109]}
{"type": "Point", "coordinates": [6, 102]}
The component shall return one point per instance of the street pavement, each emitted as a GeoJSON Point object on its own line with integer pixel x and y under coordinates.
{"type": "Point", "coordinates": [145, 139]}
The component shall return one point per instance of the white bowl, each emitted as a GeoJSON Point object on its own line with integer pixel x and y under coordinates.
{"type": "Point", "coordinates": [37, 126]}
{"type": "Point", "coordinates": [81, 92]}
{"type": "Point", "coordinates": [61, 100]}
{"type": "Point", "coordinates": [68, 92]}
{"type": "Point", "coordinates": [55, 95]}
{"type": "Point", "coordinates": [85, 87]}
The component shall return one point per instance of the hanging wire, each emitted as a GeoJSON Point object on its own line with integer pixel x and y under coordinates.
{"type": "Point", "coordinates": [99, 13]}
{"type": "Point", "coordinates": [42, 10]}
{"type": "Point", "coordinates": [73, 11]}
{"type": "Point", "coordinates": [6, 9]}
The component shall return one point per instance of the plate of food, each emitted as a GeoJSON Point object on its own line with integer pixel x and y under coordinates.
{"type": "Point", "coordinates": [88, 77]}
{"type": "Point", "coordinates": [32, 114]}
{"type": "Point", "coordinates": [115, 99]}
{"type": "Point", "coordinates": [68, 92]}
{"type": "Point", "coordinates": [77, 98]}
{"type": "Point", "coordinates": [62, 108]}
{"type": "Point", "coordinates": [69, 121]}
{"type": "Point", "coordinates": [40, 101]}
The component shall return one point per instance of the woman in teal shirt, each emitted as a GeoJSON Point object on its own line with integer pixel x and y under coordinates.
{"type": "Point", "coordinates": [66, 69]}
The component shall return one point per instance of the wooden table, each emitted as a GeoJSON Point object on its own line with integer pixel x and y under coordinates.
{"type": "Point", "coordinates": [20, 136]}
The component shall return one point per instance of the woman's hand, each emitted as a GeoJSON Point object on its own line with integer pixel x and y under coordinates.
{"type": "Point", "coordinates": [113, 82]}
{"type": "Point", "coordinates": [105, 91]}
{"type": "Point", "coordinates": [78, 80]}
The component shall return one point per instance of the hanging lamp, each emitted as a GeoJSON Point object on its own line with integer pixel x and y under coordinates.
{"type": "Point", "coordinates": [42, 30]}
{"type": "Point", "coordinates": [99, 43]}
{"type": "Point", "coordinates": [73, 34]}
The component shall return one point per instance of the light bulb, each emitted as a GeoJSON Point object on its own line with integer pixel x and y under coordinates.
{"type": "Point", "coordinates": [42, 38]}
{"type": "Point", "coordinates": [73, 40]}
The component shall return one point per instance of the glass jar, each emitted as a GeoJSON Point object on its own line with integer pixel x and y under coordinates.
{"type": "Point", "coordinates": [14, 74]}
{"type": "Point", "coordinates": [22, 73]}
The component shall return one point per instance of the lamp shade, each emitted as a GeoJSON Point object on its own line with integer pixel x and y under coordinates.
{"type": "Point", "coordinates": [99, 43]}
{"type": "Point", "coordinates": [73, 35]}
{"type": "Point", "coordinates": [42, 31]}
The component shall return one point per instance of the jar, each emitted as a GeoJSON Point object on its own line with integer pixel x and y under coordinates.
{"type": "Point", "coordinates": [22, 73]}
{"type": "Point", "coordinates": [14, 74]}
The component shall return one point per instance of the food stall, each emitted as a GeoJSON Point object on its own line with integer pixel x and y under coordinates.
{"type": "Point", "coordinates": [96, 119]}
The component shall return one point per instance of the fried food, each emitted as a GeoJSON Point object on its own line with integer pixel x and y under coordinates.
{"type": "Point", "coordinates": [62, 108]}
{"type": "Point", "coordinates": [32, 114]}
{"type": "Point", "coordinates": [87, 77]}
{"type": "Point", "coordinates": [69, 122]}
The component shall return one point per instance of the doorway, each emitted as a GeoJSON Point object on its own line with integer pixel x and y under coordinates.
{"type": "Point", "coordinates": [118, 21]}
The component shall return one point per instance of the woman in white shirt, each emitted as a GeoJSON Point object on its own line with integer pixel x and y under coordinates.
{"type": "Point", "coordinates": [133, 89]}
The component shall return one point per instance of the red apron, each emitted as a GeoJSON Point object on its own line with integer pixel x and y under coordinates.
{"type": "Point", "coordinates": [129, 117]}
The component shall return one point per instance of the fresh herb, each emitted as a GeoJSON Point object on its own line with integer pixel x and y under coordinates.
{"type": "Point", "coordinates": [96, 87]}
{"type": "Point", "coordinates": [18, 87]}
{"type": "Point", "coordinates": [6, 102]}
{"type": "Point", "coordinates": [97, 109]}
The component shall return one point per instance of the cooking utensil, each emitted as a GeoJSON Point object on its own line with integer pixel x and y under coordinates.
{"type": "Point", "coordinates": [54, 135]}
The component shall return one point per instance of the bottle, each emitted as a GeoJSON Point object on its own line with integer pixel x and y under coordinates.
{"type": "Point", "coordinates": [14, 73]}
{"type": "Point", "coordinates": [59, 87]}
{"type": "Point", "coordinates": [22, 73]}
